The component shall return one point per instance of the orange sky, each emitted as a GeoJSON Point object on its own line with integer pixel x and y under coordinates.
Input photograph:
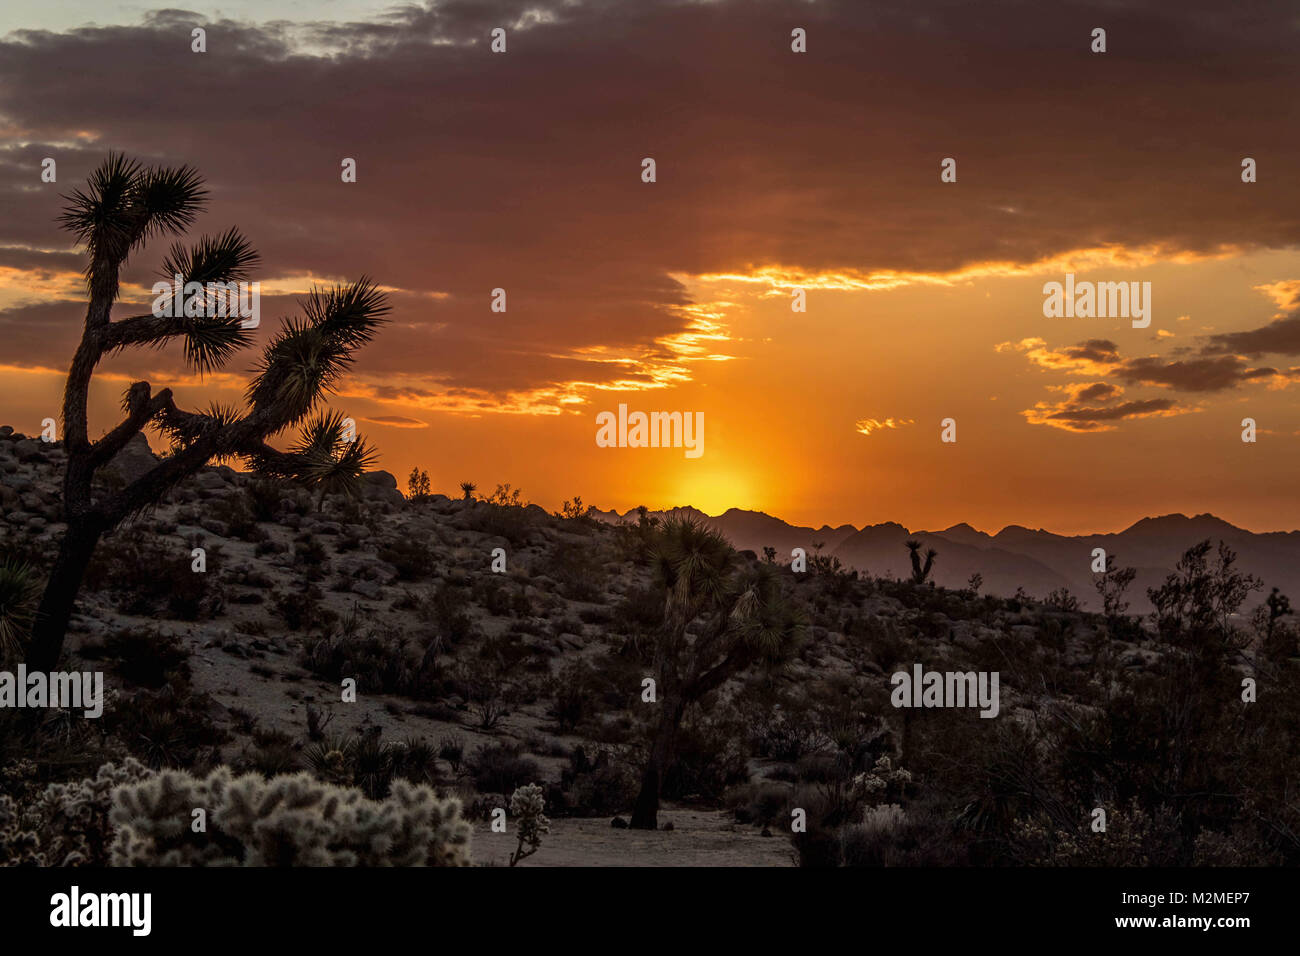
{"type": "Point", "coordinates": [924, 298]}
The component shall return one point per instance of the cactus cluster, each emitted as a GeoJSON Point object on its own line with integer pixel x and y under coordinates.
{"type": "Point", "coordinates": [288, 820]}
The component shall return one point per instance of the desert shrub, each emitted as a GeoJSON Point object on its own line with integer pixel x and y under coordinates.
{"type": "Point", "coordinates": [577, 691]}
{"type": "Point", "coordinates": [366, 762]}
{"type": "Point", "coordinates": [491, 594]}
{"type": "Point", "coordinates": [500, 768]}
{"type": "Point", "coordinates": [169, 727]}
{"type": "Point", "coordinates": [607, 784]}
{"type": "Point", "coordinates": [303, 609]}
{"type": "Point", "coordinates": [310, 557]}
{"type": "Point", "coordinates": [788, 737]}
{"type": "Point", "coordinates": [236, 512]}
{"type": "Point", "coordinates": [759, 803]}
{"type": "Point", "coordinates": [410, 556]}
{"type": "Point", "coordinates": [146, 658]}
{"type": "Point", "coordinates": [451, 748]}
{"type": "Point", "coordinates": [891, 836]}
{"type": "Point", "coordinates": [502, 514]}
{"type": "Point", "coordinates": [446, 607]}
{"type": "Point", "coordinates": [1133, 837]}
{"type": "Point", "coordinates": [147, 575]}
{"type": "Point", "coordinates": [272, 752]}
{"type": "Point", "coordinates": [578, 570]}
{"type": "Point", "coordinates": [379, 660]}
{"type": "Point", "coordinates": [711, 756]}
{"type": "Point", "coordinates": [285, 821]}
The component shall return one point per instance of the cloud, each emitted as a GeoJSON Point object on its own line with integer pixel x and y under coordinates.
{"type": "Point", "coordinates": [1072, 414]}
{"type": "Point", "coordinates": [1193, 375]}
{"type": "Point", "coordinates": [1093, 357]}
{"type": "Point", "coordinates": [868, 425]}
{"type": "Point", "coordinates": [522, 171]}
{"type": "Point", "coordinates": [1279, 337]}
{"type": "Point", "coordinates": [396, 421]}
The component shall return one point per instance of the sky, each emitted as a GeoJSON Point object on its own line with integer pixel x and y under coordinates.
{"type": "Point", "coordinates": [774, 170]}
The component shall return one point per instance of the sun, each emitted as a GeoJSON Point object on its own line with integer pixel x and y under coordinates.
{"type": "Point", "coordinates": [714, 490]}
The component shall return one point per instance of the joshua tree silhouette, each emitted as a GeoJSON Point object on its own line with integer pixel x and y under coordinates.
{"type": "Point", "coordinates": [123, 206]}
{"type": "Point", "coordinates": [920, 573]}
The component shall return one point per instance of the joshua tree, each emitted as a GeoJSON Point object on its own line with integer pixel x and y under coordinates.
{"type": "Point", "coordinates": [123, 206]}
{"type": "Point", "coordinates": [469, 488]}
{"type": "Point", "coordinates": [920, 573]}
{"type": "Point", "coordinates": [741, 619]}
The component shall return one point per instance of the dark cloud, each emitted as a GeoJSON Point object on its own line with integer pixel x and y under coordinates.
{"type": "Point", "coordinates": [1073, 415]}
{"type": "Point", "coordinates": [1280, 337]}
{"type": "Point", "coordinates": [1098, 392]}
{"type": "Point", "coordinates": [1093, 350]}
{"type": "Point", "coordinates": [1214, 374]}
{"type": "Point", "coordinates": [521, 171]}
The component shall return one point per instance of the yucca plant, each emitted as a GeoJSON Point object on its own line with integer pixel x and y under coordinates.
{"type": "Point", "coordinates": [18, 593]}
{"type": "Point", "coordinates": [123, 206]}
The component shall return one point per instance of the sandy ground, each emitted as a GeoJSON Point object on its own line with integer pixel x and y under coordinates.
{"type": "Point", "coordinates": [698, 838]}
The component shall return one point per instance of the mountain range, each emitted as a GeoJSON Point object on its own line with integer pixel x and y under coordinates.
{"type": "Point", "coordinates": [1016, 557]}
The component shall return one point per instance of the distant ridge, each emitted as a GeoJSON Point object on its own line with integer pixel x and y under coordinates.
{"type": "Point", "coordinates": [1016, 557]}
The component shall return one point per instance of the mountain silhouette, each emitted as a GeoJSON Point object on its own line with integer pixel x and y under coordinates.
{"type": "Point", "coordinates": [1038, 561]}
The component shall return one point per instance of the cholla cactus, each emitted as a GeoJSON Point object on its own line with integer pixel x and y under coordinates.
{"type": "Point", "coordinates": [289, 820]}
{"type": "Point", "coordinates": [18, 846]}
{"type": "Point", "coordinates": [526, 806]}
{"type": "Point", "coordinates": [882, 777]}
{"type": "Point", "coordinates": [72, 819]}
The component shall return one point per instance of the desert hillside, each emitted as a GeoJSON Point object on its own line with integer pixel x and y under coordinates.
{"type": "Point", "coordinates": [479, 681]}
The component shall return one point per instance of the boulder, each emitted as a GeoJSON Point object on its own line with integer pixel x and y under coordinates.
{"type": "Point", "coordinates": [381, 486]}
{"type": "Point", "coordinates": [134, 460]}
{"type": "Point", "coordinates": [28, 449]}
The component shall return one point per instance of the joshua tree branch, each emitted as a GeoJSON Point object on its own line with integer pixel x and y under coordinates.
{"type": "Point", "coordinates": [141, 408]}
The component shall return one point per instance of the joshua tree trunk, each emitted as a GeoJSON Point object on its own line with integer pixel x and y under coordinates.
{"type": "Point", "coordinates": [60, 595]}
{"type": "Point", "coordinates": [645, 814]}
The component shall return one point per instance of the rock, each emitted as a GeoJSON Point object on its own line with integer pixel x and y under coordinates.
{"type": "Point", "coordinates": [367, 589]}
{"type": "Point", "coordinates": [766, 832]}
{"type": "Point", "coordinates": [667, 826]}
{"type": "Point", "coordinates": [134, 460]}
{"type": "Point", "coordinates": [6, 431]}
{"type": "Point", "coordinates": [218, 528]}
{"type": "Point", "coordinates": [28, 449]}
{"type": "Point", "coordinates": [381, 486]}
{"type": "Point", "coordinates": [618, 823]}
{"type": "Point", "coordinates": [210, 481]}
{"type": "Point", "coordinates": [35, 523]}
{"type": "Point", "coordinates": [8, 498]}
